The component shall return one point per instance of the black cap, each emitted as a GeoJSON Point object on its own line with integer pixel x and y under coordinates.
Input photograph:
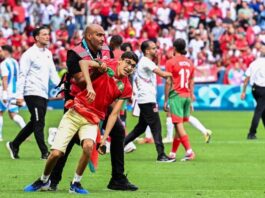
{"type": "Point", "coordinates": [180, 46]}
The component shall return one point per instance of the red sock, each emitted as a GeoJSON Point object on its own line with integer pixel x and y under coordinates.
{"type": "Point", "coordinates": [185, 142]}
{"type": "Point", "coordinates": [94, 154]}
{"type": "Point", "coordinates": [175, 145]}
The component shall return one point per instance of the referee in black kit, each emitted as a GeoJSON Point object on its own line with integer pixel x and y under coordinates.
{"type": "Point", "coordinates": [255, 74]}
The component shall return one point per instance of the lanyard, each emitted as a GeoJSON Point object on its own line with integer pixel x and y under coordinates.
{"type": "Point", "coordinates": [87, 49]}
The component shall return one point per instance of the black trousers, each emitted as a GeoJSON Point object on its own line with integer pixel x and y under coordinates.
{"type": "Point", "coordinates": [149, 116]}
{"type": "Point", "coordinates": [117, 135]}
{"type": "Point", "coordinates": [259, 95]}
{"type": "Point", "coordinates": [37, 107]}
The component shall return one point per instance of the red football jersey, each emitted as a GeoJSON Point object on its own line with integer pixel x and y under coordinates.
{"type": "Point", "coordinates": [108, 88]}
{"type": "Point", "coordinates": [182, 70]}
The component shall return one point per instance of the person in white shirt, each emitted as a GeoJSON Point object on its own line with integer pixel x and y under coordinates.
{"type": "Point", "coordinates": [165, 40]}
{"type": "Point", "coordinates": [255, 75]}
{"type": "Point", "coordinates": [146, 99]}
{"type": "Point", "coordinates": [7, 31]}
{"type": "Point", "coordinates": [163, 16]}
{"type": "Point", "coordinates": [195, 45]}
{"type": "Point", "coordinates": [124, 16]}
{"type": "Point", "coordinates": [47, 11]}
{"type": "Point", "coordinates": [36, 70]}
{"type": "Point", "coordinates": [9, 75]}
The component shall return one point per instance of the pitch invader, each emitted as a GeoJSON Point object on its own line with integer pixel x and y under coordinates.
{"type": "Point", "coordinates": [179, 95]}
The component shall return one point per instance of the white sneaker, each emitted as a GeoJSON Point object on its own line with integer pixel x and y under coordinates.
{"type": "Point", "coordinates": [188, 157]}
{"type": "Point", "coordinates": [52, 133]}
{"type": "Point", "coordinates": [208, 135]}
{"type": "Point", "coordinates": [130, 147]}
{"type": "Point", "coordinates": [172, 155]}
{"type": "Point", "coordinates": [167, 140]}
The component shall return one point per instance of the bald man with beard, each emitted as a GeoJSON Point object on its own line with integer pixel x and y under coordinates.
{"type": "Point", "coordinates": [92, 47]}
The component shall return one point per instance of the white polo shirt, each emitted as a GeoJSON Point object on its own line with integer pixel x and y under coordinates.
{"type": "Point", "coordinates": [146, 81]}
{"type": "Point", "coordinates": [36, 70]}
{"type": "Point", "coordinates": [256, 72]}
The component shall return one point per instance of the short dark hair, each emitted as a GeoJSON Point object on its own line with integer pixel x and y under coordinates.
{"type": "Point", "coordinates": [130, 55]}
{"type": "Point", "coordinates": [36, 31]}
{"type": "Point", "coordinates": [145, 45]}
{"type": "Point", "coordinates": [7, 48]}
{"type": "Point", "coordinates": [116, 41]}
{"type": "Point", "coordinates": [125, 45]}
{"type": "Point", "coordinates": [180, 46]}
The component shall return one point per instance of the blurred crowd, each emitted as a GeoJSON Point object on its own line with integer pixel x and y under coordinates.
{"type": "Point", "coordinates": [221, 34]}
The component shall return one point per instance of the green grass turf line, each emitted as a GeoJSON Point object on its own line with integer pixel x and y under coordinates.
{"type": "Point", "coordinates": [229, 167]}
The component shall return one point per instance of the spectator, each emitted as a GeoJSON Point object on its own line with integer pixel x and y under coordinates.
{"type": "Point", "coordinates": [124, 15]}
{"type": "Point", "coordinates": [113, 16]}
{"type": "Point", "coordinates": [181, 25]}
{"type": "Point", "coordinates": [236, 74]}
{"type": "Point", "coordinates": [217, 32]}
{"type": "Point", "coordinates": [79, 12]}
{"type": "Point", "coordinates": [47, 10]}
{"type": "Point", "coordinates": [19, 16]}
{"type": "Point", "coordinates": [62, 34]}
{"type": "Point", "coordinates": [151, 27]}
{"type": "Point", "coordinates": [104, 12]}
{"type": "Point", "coordinates": [7, 31]}
{"type": "Point", "coordinates": [94, 17]}
{"type": "Point", "coordinates": [3, 40]}
{"type": "Point", "coordinates": [195, 45]}
{"type": "Point", "coordinates": [16, 38]}
{"type": "Point", "coordinates": [165, 40]}
{"type": "Point", "coordinates": [163, 16]}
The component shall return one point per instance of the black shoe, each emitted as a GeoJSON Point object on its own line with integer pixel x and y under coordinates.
{"type": "Point", "coordinates": [166, 159]}
{"type": "Point", "coordinates": [12, 150]}
{"type": "Point", "coordinates": [45, 156]}
{"type": "Point", "coordinates": [53, 187]}
{"type": "Point", "coordinates": [251, 136]}
{"type": "Point", "coordinates": [121, 184]}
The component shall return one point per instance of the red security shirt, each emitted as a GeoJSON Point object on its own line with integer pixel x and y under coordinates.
{"type": "Point", "coordinates": [182, 70]}
{"type": "Point", "coordinates": [108, 88]}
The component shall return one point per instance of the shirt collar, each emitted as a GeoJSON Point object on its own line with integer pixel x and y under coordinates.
{"type": "Point", "coordinates": [41, 49]}
{"type": "Point", "coordinates": [91, 51]}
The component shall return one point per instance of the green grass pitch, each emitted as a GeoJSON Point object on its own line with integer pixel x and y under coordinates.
{"type": "Point", "coordinates": [229, 167]}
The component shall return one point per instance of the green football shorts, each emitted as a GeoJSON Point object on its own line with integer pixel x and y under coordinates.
{"type": "Point", "coordinates": [179, 107]}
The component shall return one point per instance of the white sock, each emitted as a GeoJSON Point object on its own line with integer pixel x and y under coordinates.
{"type": "Point", "coordinates": [170, 128]}
{"type": "Point", "coordinates": [44, 178]}
{"type": "Point", "coordinates": [189, 151]}
{"type": "Point", "coordinates": [148, 133]}
{"type": "Point", "coordinates": [1, 126]}
{"type": "Point", "coordinates": [197, 124]}
{"type": "Point", "coordinates": [77, 178]}
{"type": "Point", "coordinates": [19, 120]}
